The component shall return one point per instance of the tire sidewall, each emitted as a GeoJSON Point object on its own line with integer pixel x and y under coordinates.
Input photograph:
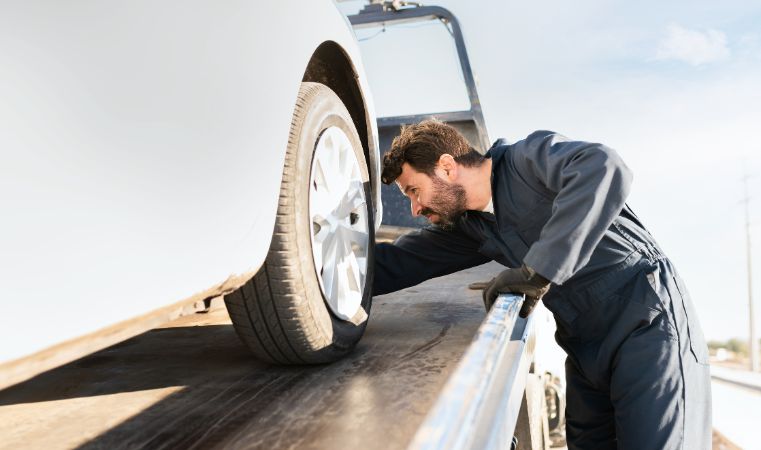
{"type": "Point", "coordinates": [325, 110]}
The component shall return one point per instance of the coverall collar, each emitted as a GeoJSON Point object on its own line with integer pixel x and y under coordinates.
{"type": "Point", "coordinates": [497, 151]}
{"type": "Point", "coordinates": [497, 154]}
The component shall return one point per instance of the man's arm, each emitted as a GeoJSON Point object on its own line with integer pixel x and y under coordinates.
{"type": "Point", "coordinates": [591, 184]}
{"type": "Point", "coordinates": [421, 255]}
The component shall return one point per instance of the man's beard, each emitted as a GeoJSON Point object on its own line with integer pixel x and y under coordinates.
{"type": "Point", "coordinates": [448, 202]}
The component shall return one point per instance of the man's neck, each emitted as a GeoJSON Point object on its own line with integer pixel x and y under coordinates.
{"type": "Point", "coordinates": [477, 184]}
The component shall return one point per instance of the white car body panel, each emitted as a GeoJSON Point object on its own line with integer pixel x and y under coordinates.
{"type": "Point", "coordinates": [142, 148]}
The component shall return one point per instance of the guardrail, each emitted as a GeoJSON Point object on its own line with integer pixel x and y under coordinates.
{"type": "Point", "coordinates": [479, 405]}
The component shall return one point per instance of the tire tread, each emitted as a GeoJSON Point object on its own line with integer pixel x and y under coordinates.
{"type": "Point", "coordinates": [269, 312]}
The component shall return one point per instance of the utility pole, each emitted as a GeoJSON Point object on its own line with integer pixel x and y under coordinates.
{"type": "Point", "coordinates": [753, 347]}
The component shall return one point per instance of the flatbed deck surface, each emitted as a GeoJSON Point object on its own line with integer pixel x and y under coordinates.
{"type": "Point", "coordinates": [193, 384]}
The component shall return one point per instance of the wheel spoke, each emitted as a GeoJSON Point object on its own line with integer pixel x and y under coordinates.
{"type": "Point", "coordinates": [321, 204]}
{"type": "Point", "coordinates": [362, 263]}
{"type": "Point", "coordinates": [329, 268]}
{"type": "Point", "coordinates": [321, 178]}
{"type": "Point", "coordinates": [354, 275]}
{"type": "Point", "coordinates": [357, 237]}
{"type": "Point", "coordinates": [356, 193]}
{"type": "Point", "coordinates": [331, 249]}
{"type": "Point", "coordinates": [344, 289]}
{"type": "Point", "coordinates": [349, 202]}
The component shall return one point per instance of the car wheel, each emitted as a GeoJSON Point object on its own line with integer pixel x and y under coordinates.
{"type": "Point", "coordinates": [310, 301]}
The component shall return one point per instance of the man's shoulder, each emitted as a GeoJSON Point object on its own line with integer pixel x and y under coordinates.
{"type": "Point", "coordinates": [538, 137]}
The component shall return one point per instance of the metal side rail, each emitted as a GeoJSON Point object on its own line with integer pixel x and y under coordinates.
{"type": "Point", "coordinates": [740, 377]}
{"type": "Point", "coordinates": [479, 405]}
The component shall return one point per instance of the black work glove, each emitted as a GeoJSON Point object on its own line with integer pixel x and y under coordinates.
{"type": "Point", "coordinates": [523, 280]}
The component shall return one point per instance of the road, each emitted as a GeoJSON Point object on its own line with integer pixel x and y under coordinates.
{"type": "Point", "coordinates": [192, 384]}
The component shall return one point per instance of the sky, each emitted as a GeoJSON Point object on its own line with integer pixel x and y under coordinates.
{"type": "Point", "coordinates": [674, 87]}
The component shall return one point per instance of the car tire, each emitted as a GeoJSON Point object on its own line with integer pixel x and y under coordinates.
{"type": "Point", "coordinates": [286, 314]}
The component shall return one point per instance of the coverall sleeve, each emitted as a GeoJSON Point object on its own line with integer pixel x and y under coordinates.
{"type": "Point", "coordinates": [421, 255]}
{"type": "Point", "coordinates": [590, 182]}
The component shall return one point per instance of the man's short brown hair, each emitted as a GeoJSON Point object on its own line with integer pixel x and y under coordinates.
{"type": "Point", "coordinates": [421, 145]}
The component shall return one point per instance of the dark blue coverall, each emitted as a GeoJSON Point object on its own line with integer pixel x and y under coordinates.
{"type": "Point", "coordinates": [637, 367]}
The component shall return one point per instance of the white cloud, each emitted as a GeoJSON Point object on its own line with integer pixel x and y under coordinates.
{"type": "Point", "coordinates": [693, 46]}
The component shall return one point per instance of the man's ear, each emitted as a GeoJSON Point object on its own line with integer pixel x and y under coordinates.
{"type": "Point", "coordinates": [448, 166]}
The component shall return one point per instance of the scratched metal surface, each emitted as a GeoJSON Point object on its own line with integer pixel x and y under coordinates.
{"type": "Point", "coordinates": [192, 384]}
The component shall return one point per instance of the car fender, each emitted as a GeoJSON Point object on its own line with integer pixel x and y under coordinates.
{"type": "Point", "coordinates": [142, 147]}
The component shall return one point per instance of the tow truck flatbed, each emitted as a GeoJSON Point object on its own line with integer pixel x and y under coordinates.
{"type": "Point", "coordinates": [193, 384]}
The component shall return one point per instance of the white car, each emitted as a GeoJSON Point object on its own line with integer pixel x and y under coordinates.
{"type": "Point", "coordinates": [161, 151]}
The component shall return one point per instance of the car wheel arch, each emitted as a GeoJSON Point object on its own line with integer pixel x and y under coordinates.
{"type": "Point", "coordinates": [332, 66]}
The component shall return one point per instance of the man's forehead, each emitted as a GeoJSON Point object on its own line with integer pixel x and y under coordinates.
{"type": "Point", "coordinates": [407, 177]}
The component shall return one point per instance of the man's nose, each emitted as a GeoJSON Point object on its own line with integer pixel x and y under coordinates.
{"type": "Point", "coordinates": [415, 207]}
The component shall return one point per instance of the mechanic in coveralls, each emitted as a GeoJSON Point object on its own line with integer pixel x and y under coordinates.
{"type": "Point", "coordinates": [553, 211]}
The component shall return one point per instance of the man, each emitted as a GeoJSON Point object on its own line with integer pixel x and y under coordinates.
{"type": "Point", "coordinates": [554, 212]}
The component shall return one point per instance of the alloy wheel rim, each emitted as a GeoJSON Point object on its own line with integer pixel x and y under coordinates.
{"type": "Point", "coordinates": [339, 222]}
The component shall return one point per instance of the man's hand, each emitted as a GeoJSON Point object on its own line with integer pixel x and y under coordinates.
{"type": "Point", "coordinates": [523, 280]}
